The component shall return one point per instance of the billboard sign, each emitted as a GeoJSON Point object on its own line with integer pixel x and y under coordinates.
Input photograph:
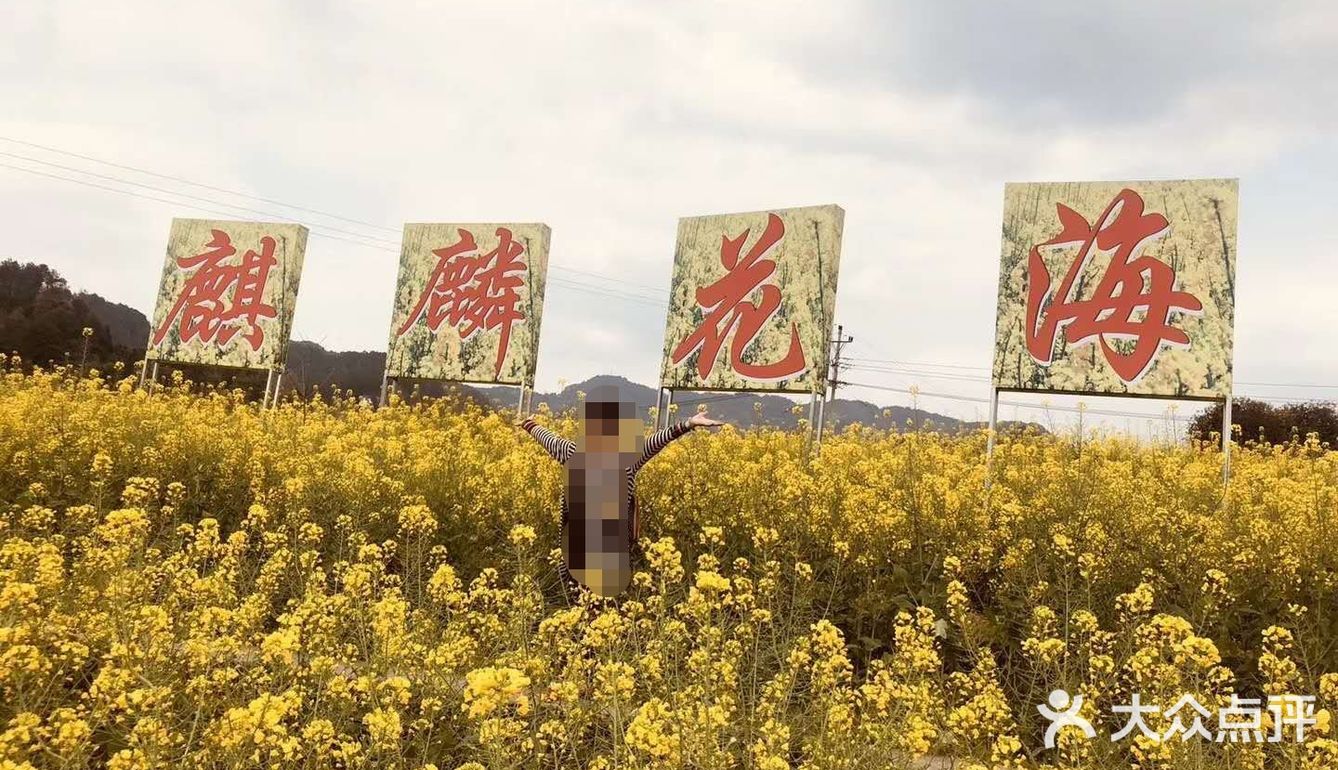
{"type": "Point", "coordinates": [752, 300]}
{"type": "Point", "coordinates": [468, 303]}
{"type": "Point", "coordinates": [1122, 288]}
{"type": "Point", "coordinates": [227, 293]}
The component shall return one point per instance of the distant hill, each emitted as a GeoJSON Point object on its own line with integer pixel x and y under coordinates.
{"type": "Point", "coordinates": [749, 409]}
{"type": "Point", "coordinates": [43, 321]}
{"type": "Point", "coordinates": [311, 366]}
{"type": "Point", "coordinates": [128, 327]}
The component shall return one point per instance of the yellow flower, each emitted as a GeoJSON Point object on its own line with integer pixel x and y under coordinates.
{"type": "Point", "coordinates": [653, 733]}
{"type": "Point", "coordinates": [488, 690]}
{"type": "Point", "coordinates": [384, 728]}
{"type": "Point", "coordinates": [711, 581]}
{"type": "Point", "coordinates": [522, 536]}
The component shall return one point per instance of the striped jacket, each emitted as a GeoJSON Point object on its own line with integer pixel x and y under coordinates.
{"type": "Point", "coordinates": [562, 449]}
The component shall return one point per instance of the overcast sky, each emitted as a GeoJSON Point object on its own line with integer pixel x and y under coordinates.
{"type": "Point", "coordinates": [609, 120]}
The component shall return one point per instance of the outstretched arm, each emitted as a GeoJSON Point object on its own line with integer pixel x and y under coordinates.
{"type": "Point", "coordinates": [662, 438]}
{"type": "Point", "coordinates": [558, 448]}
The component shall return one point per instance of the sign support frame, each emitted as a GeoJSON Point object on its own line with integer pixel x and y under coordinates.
{"type": "Point", "coordinates": [269, 382]}
{"type": "Point", "coordinates": [520, 402]}
{"type": "Point", "coordinates": [993, 424]}
{"type": "Point", "coordinates": [822, 418]}
{"type": "Point", "coordinates": [278, 383]}
{"type": "Point", "coordinates": [668, 403]}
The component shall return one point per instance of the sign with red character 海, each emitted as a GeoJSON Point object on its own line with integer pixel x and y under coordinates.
{"type": "Point", "coordinates": [468, 303]}
{"type": "Point", "coordinates": [752, 300]}
{"type": "Point", "coordinates": [227, 293]}
{"type": "Point", "coordinates": [1118, 288]}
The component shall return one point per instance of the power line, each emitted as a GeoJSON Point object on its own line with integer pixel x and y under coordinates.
{"type": "Point", "coordinates": [1284, 384]}
{"type": "Point", "coordinates": [656, 290]}
{"type": "Point", "coordinates": [272, 201]}
{"type": "Point", "coordinates": [951, 377]}
{"type": "Point", "coordinates": [190, 206]}
{"type": "Point", "coordinates": [713, 399]}
{"type": "Point", "coordinates": [188, 196]}
{"type": "Point", "coordinates": [861, 359]}
{"type": "Point", "coordinates": [1022, 404]}
{"type": "Point", "coordinates": [605, 291]}
{"type": "Point", "coordinates": [200, 185]}
{"type": "Point", "coordinates": [923, 364]}
{"type": "Point", "coordinates": [916, 372]}
{"type": "Point", "coordinates": [318, 231]}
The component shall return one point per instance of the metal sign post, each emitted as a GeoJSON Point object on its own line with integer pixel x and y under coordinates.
{"type": "Point", "coordinates": [990, 432]}
{"type": "Point", "coordinates": [269, 382]}
{"type": "Point", "coordinates": [1226, 441]}
{"type": "Point", "coordinates": [822, 419]}
{"type": "Point", "coordinates": [994, 423]}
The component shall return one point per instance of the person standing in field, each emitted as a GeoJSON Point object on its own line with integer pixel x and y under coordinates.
{"type": "Point", "coordinates": [599, 518]}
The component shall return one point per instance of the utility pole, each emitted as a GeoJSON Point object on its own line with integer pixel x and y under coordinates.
{"type": "Point", "coordinates": [834, 379]}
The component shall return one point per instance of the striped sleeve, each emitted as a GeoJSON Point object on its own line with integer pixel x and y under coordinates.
{"type": "Point", "coordinates": [558, 448]}
{"type": "Point", "coordinates": [661, 439]}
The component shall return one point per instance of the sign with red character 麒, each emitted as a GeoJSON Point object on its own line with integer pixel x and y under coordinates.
{"type": "Point", "coordinates": [228, 293]}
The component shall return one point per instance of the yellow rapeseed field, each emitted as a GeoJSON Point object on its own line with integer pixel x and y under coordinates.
{"type": "Point", "coordinates": [187, 581]}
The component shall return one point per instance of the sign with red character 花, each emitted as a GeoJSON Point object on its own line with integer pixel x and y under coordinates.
{"type": "Point", "coordinates": [468, 303]}
{"type": "Point", "coordinates": [1118, 288]}
{"type": "Point", "coordinates": [752, 300]}
{"type": "Point", "coordinates": [228, 293]}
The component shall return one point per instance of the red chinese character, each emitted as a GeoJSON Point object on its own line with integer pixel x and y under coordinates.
{"type": "Point", "coordinates": [474, 292]}
{"type": "Point", "coordinates": [219, 298]}
{"type": "Point", "coordinates": [1132, 283]}
{"type": "Point", "coordinates": [728, 309]}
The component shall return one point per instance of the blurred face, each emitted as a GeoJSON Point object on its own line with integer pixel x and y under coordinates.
{"type": "Point", "coordinates": [610, 426]}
